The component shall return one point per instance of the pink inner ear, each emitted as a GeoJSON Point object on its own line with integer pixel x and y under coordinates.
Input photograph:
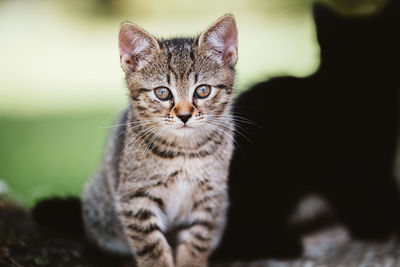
{"type": "Point", "coordinates": [221, 40]}
{"type": "Point", "coordinates": [129, 61]}
{"type": "Point", "coordinates": [230, 44]}
{"type": "Point", "coordinates": [125, 41]}
{"type": "Point", "coordinates": [135, 46]}
{"type": "Point", "coordinates": [125, 50]}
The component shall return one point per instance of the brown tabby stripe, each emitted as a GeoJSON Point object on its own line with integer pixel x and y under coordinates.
{"type": "Point", "coordinates": [213, 136]}
{"type": "Point", "coordinates": [204, 223]}
{"type": "Point", "coordinates": [202, 201]}
{"type": "Point", "coordinates": [147, 138]}
{"type": "Point", "coordinates": [141, 90]}
{"type": "Point", "coordinates": [156, 254]}
{"type": "Point", "coordinates": [224, 103]}
{"type": "Point", "coordinates": [217, 97]}
{"type": "Point", "coordinates": [221, 86]}
{"type": "Point", "coordinates": [141, 214]}
{"type": "Point", "coordinates": [159, 183]}
{"type": "Point", "coordinates": [191, 68]}
{"type": "Point", "coordinates": [209, 188]}
{"type": "Point", "coordinates": [175, 173]}
{"type": "Point", "coordinates": [135, 94]}
{"type": "Point", "coordinates": [144, 230]}
{"type": "Point", "coordinates": [147, 249]}
{"type": "Point", "coordinates": [157, 200]}
{"type": "Point", "coordinates": [168, 79]}
{"type": "Point", "coordinates": [208, 209]}
{"type": "Point", "coordinates": [172, 154]}
{"type": "Point", "coordinates": [140, 107]}
{"type": "Point", "coordinates": [228, 89]}
{"type": "Point", "coordinates": [200, 237]}
{"type": "Point", "coordinates": [220, 109]}
{"type": "Point", "coordinates": [169, 65]}
{"type": "Point", "coordinates": [204, 153]}
{"type": "Point", "coordinates": [127, 213]}
{"type": "Point", "coordinates": [204, 181]}
{"type": "Point", "coordinates": [199, 248]}
{"type": "Point", "coordinates": [154, 177]}
{"type": "Point", "coordinates": [136, 237]}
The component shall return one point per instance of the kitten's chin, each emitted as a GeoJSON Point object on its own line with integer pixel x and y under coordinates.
{"type": "Point", "coordinates": [184, 130]}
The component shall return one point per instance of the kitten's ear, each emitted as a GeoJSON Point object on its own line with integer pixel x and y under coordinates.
{"type": "Point", "coordinates": [136, 47]}
{"type": "Point", "coordinates": [220, 40]}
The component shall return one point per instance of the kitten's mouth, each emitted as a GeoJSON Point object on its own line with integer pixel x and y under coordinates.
{"type": "Point", "coordinates": [185, 127]}
{"type": "Point", "coordinates": [184, 130]}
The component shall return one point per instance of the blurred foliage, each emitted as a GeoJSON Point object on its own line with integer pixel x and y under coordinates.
{"type": "Point", "coordinates": [50, 155]}
{"type": "Point", "coordinates": [173, 7]}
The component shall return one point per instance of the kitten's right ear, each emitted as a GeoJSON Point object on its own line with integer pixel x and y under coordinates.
{"type": "Point", "coordinates": [136, 47]}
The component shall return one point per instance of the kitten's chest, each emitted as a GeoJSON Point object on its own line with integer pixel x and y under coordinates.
{"type": "Point", "coordinates": [179, 191]}
{"type": "Point", "coordinates": [178, 200]}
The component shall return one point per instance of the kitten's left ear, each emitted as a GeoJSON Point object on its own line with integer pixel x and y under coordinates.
{"type": "Point", "coordinates": [220, 40]}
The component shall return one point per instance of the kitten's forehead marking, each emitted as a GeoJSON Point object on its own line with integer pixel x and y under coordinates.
{"type": "Point", "coordinates": [180, 64]}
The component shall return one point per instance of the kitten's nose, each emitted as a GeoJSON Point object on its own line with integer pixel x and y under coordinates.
{"type": "Point", "coordinates": [184, 117]}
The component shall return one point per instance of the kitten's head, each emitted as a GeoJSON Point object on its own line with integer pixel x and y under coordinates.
{"type": "Point", "coordinates": [182, 86]}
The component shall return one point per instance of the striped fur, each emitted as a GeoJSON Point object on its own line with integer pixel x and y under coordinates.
{"type": "Point", "coordinates": [161, 191]}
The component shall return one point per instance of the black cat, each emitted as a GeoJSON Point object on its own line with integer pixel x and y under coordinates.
{"type": "Point", "coordinates": [333, 133]}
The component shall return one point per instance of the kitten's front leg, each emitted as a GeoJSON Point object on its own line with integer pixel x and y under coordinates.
{"type": "Point", "coordinates": [197, 238]}
{"type": "Point", "coordinates": [143, 229]}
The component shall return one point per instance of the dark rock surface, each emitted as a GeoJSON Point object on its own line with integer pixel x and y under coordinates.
{"type": "Point", "coordinates": [25, 243]}
{"type": "Point", "coordinates": [29, 240]}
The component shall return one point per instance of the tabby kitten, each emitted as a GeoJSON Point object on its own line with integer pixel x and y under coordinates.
{"type": "Point", "coordinates": [161, 191]}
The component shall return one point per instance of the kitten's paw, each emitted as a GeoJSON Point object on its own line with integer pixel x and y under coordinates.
{"type": "Point", "coordinates": [164, 260]}
{"type": "Point", "coordinates": [191, 263]}
{"type": "Point", "coordinates": [190, 258]}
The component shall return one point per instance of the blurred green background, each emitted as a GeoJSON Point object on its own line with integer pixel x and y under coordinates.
{"type": "Point", "coordinates": [61, 84]}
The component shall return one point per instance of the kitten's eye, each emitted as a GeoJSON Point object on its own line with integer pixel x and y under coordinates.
{"type": "Point", "coordinates": [202, 91]}
{"type": "Point", "coordinates": [163, 93]}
